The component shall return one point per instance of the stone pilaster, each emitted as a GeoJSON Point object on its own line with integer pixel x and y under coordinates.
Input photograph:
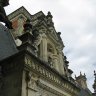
{"type": "Point", "coordinates": [43, 48]}
{"type": "Point", "coordinates": [61, 62]}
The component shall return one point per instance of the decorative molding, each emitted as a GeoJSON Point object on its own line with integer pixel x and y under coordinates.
{"type": "Point", "coordinates": [45, 87]}
{"type": "Point", "coordinates": [49, 75]}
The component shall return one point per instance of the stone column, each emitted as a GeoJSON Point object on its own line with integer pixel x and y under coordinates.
{"type": "Point", "coordinates": [55, 62]}
{"type": "Point", "coordinates": [61, 62]}
{"type": "Point", "coordinates": [43, 48]}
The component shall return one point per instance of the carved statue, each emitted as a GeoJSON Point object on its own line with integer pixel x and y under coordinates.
{"type": "Point", "coordinates": [38, 39]}
{"type": "Point", "coordinates": [3, 16]}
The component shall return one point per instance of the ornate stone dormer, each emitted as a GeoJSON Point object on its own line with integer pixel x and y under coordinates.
{"type": "Point", "coordinates": [81, 80]}
{"type": "Point", "coordinates": [94, 85]}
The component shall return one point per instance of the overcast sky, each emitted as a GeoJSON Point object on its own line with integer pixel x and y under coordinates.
{"type": "Point", "coordinates": [76, 20]}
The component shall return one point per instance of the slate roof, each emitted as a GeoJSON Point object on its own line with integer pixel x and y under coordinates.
{"type": "Point", "coordinates": [7, 44]}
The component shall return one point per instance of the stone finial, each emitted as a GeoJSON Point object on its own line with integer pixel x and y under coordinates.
{"type": "Point", "coordinates": [94, 85]}
{"type": "Point", "coordinates": [27, 26]}
{"type": "Point", "coordinates": [80, 73]}
{"type": "Point", "coordinates": [66, 61]}
{"type": "Point", "coordinates": [59, 33]}
{"type": "Point", "coordinates": [84, 74]}
{"type": "Point", "coordinates": [49, 14]}
{"type": "Point", "coordinates": [75, 76]}
{"type": "Point", "coordinates": [95, 73]}
{"type": "Point", "coordinates": [65, 57]}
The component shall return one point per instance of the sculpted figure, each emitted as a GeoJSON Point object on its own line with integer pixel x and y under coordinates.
{"type": "Point", "coordinates": [38, 39]}
{"type": "Point", "coordinates": [3, 16]}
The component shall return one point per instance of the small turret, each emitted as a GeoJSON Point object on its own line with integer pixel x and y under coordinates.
{"type": "Point", "coordinates": [81, 80]}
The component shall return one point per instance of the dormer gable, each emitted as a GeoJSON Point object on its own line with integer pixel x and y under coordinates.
{"type": "Point", "coordinates": [21, 15]}
{"type": "Point", "coordinates": [47, 42]}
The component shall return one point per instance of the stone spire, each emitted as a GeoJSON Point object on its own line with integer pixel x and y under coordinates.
{"type": "Point", "coordinates": [94, 85]}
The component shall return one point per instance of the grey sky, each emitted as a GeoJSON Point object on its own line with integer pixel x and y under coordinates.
{"type": "Point", "coordinates": [76, 19]}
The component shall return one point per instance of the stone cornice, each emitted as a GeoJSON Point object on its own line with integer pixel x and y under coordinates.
{"type": "Point", "coordinates": [50, 75]}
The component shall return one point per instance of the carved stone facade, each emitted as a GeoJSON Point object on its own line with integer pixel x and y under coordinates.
{"type": "Point", "coordinates": [40, 60]}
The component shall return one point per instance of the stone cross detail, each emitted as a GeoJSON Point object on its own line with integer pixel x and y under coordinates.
{"type": "Point", "coordinates": [3, 16]}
